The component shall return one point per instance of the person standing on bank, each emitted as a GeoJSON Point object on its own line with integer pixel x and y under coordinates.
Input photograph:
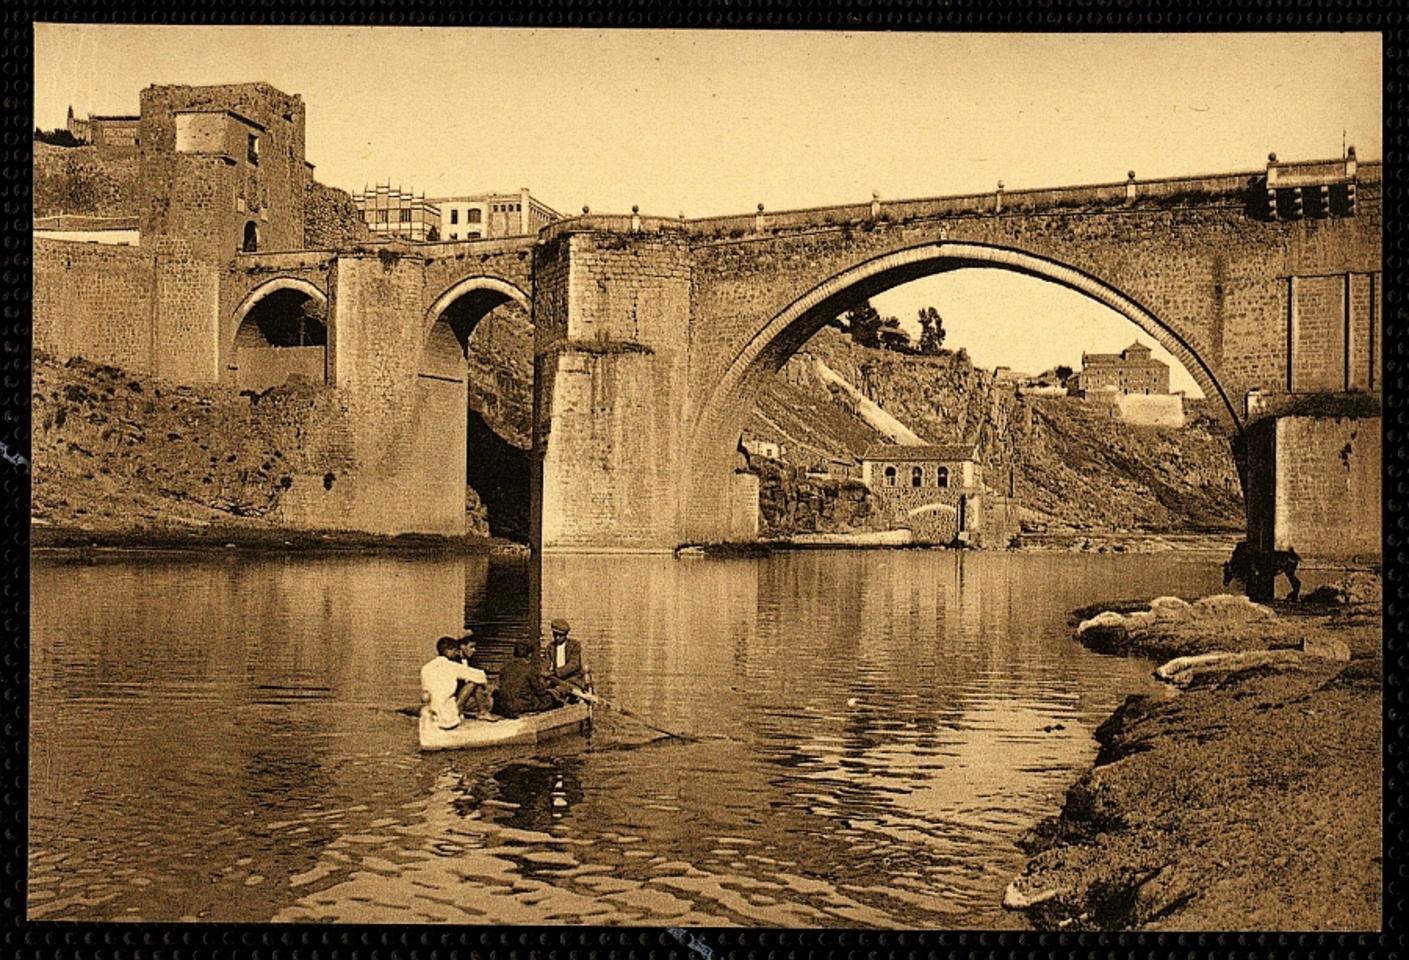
{"type": "Point", "coordinates": [449, 685]}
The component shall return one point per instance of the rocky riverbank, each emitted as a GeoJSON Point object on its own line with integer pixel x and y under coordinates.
{"type": "Point", "coordinates": [128, 462]}
{"type": "Point", "coordinates": [1251, 798]}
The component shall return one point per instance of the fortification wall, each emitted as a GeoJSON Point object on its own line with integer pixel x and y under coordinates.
{"type": "Point", "coordinates": [1150, 410]}
{"type": "Point", "coordinates": [150, 310]}
{"type": "Point", "coordinates": [94, 300]}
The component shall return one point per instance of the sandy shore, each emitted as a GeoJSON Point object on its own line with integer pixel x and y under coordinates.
{"type": "Point", "coordinates": [1247, 799]}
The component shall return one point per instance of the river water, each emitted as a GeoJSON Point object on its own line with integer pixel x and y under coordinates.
{"type": "Point", "coordinates": [214, 738]}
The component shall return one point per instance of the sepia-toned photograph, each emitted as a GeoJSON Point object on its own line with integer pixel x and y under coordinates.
{"type": "Point", "coordinates": [698, 478]}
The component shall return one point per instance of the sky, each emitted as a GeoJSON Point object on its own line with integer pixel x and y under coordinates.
{"type": "Point", "coordinates": [716, 122]}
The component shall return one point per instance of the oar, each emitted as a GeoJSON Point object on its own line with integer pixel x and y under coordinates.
{"type": "Point", "coordinates": [594, 698]}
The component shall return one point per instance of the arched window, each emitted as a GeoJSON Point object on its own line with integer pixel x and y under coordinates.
{"type": "Point", "coordinates": [917, 476]}
{"type": "Point", "coordinates": [251, 243]}
{"type": "Point", "coordinates": [890, 476]}
{"type": "Point", "coordinates": [941, 477]}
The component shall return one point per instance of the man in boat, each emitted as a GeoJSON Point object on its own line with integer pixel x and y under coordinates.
{"type": "Point", "coordinates": [521, 688]}
{"type": "Point", "coordinates": [564, 670]}
{"type": "Point", "coordinates": [449, 685]}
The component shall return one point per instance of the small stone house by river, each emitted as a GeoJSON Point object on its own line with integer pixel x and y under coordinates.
{"type": "Point", "coordinates": [934, 491]}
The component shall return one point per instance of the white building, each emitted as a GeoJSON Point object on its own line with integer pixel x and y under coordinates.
{"type": "Point", "coordinates": [484, 215]}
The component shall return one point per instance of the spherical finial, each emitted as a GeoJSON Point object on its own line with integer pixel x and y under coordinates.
{"type": "Point", "coordinates": [1271, 158]}
{"type": "Point", "coordinates": [760, 208]}
{"type": "Point", "coordinates": [1000, 184]}
{"type": "Point", "coordinates": [1130, 174]}
{"type": "Point", "coordinates": [586, 209]}
{"type": "Point", "coordinates": [875, 194]}
{"type": "Point", "coordinates": [1350, 151]}
{"type": "Point", "coordinates": [635, 208]}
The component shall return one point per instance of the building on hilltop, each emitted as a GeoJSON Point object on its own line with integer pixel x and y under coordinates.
{"type": "Point", "coordinates": [1133, 383]}
{"type": "Point", "coordinates": [104, 131]}
{"type": "Point", "coordinates": [399, 213]}
{"type": "Point", "coordinates": [1132, 371]}
{"type": "Point", "coordinates": [935, 491]}
{"type": "Point", "coordinates": [481, 216]}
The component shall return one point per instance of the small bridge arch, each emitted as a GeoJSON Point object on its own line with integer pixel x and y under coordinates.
{"type": "Point", "coordinates": [451, 319]}
{"type": "Point", "coordinates": [280, 331]}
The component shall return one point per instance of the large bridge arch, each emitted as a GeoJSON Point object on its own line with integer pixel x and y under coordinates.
{"type": "Point", "coordinates": [715, 430]}
{"type": "Point", "coordinates": [786, 332]}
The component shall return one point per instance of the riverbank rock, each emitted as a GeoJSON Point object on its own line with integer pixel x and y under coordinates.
{"type": "Point", "coordinates": [1230, 607]}
{"type": "Point", "coordinates": [1174, 627]}
{"type": "Point", "coordinates": [1183, 671]}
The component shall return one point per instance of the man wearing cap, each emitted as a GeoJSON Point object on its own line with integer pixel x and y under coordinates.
{"type": "Point", "coordinates": [564, 666]}
{"type": "Point", "coordinates": [449, 685]}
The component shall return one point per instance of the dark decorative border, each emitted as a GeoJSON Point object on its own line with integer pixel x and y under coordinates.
{"type": "Point", "coordinates": [19, 938]}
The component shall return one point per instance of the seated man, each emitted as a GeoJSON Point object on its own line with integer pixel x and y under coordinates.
{"type": "Point", "coordinates": [564, 669]}
{"type": "Point", "coordinates": [521, 687]}
{"type": "Point", "coordinates": [449, 685]}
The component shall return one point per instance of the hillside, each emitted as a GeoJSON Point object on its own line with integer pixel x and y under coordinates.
{"type": "Point", "coordinates": [124, 457]}
{"type": "Point", "coordinates": [1071, 466]}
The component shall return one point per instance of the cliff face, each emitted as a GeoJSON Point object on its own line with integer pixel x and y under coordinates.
{"type": "Point", "coordinates": [1069, 464]}
{"type": "Point", "coordinates": [114, 451]}
{"type": "Point", "coordinates": [88, 181]}
{"type": "Point", "coordinates": [330, 218]}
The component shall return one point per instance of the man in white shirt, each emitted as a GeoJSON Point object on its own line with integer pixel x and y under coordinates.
{"type": "Point", "coordinates": [449, 684]}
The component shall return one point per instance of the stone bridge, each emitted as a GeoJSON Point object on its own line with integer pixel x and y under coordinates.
{"type": "Point", "coordinates": [655, 335]}
{"type": "Point", "coordinates": [394, 322]}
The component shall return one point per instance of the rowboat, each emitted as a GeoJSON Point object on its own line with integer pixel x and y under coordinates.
{"type": "Point", "coordinates": [474, 734]}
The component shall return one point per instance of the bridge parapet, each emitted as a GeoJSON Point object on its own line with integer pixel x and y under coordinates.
{"type": "Point", "coordinates": [1203, 190]}
{"type": "Point", "coordinates": [264, 262]}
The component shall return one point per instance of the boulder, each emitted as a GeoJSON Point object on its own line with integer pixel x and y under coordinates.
{"type": "Point", "coordinates": [1017, 898]}
{"type": "Point", "coordinates": [1362, 588]}
{"type": "Point", "coordinates": [1325, 595]}
{"type": "Point", "coordinates": [1106, 620]}
{"type": "Point", "coordinates": [1232, 608]}
{"type": "Point", "coordinates": [1182, 671]}
{"type": "Point", "coordinates": [1171, 609]}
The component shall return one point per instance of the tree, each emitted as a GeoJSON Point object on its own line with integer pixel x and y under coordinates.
{"type": "Point", "coordinates": [894, 338]}
{"type": "Point", "coordinates": [864, 323]}
{"type": "Point", "coordinates": [932, 331]}
{"type": "Point", "coordinates": [432, 233]}
{"type": "Point", "coordinates": [1063, 372]}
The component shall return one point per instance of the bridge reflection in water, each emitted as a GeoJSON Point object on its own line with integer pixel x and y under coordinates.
{"type": "Point", "coordinates": [211, 739]}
